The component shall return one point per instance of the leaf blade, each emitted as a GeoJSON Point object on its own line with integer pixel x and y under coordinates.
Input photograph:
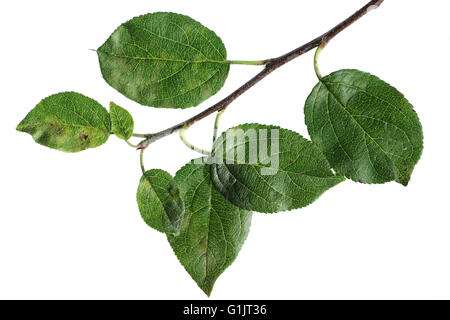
{"type": "Point", "coordinates": [159, 201]}
{"type": "Point", "coordinates": [365, 127]}
{"type": "Point", "coordinates": [300, 173]}
{"type": "Point", "coordinates": [213, 230]}
{"type": "Point", "coordinates": [164, 60]}
{"type": "Point", "coordinates": [68, 121]}
{"type": "Point", "coordinates": [122, 123]}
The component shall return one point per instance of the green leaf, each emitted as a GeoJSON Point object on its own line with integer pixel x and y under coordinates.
{"type": "Point", "coordinates": [68, 121]}
{"type": "Point", "coordinates": [367, 129]}
{"type": "Point", "coordinates": [121, 121]}
{"type": "Point", "coordinates": [213, 230]}
{"type": "Point", "coordinates": [164, 60]}
{"type": "Point", "coordinates": [159, 201]}
{"type": "Point", "coordinates": [269, 169]}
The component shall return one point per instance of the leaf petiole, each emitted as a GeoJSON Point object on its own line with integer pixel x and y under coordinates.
{"type": "Point", "coordinates": [216, 124]}
{"type": "Point", "coordinates": [130, 144]}
{"type": "Point", "coordinates": [316, 59]}
{"type": "Point", "coordinates": [190, 145]}
{"type": "Point", "coordinates": [141, 159]}
{"type": "Point", "coordinates": [140, 135]}
{"type": "Point", "coordinates": [249, 63]}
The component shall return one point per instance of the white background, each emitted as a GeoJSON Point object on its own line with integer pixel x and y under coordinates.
{"type": "Point", "coordinates": [69, 223]}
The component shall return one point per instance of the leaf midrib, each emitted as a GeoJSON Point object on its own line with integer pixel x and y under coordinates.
{"type": "Point", "coordinates": [354, 120]}
{"type": "Point", "coordinates": [381, 120]}
{"type": "Point", "coordinates": [122, 123]}
{"type": "Point", "coordinates": [157, 196]}
{"type": "Point", "coordinates": [35, 124]}
{"type": "Point", "coordinates": [280, 169]}
{"type": "Point", "coordinates": [165, 59]}
{"type": "Point", "coordinates": [210, 209]}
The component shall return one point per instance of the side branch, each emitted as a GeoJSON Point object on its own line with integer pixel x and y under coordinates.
{"type": "Point", "coordinates": [270, 66]}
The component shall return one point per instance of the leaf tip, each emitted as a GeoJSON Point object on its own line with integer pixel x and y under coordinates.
{"type": "Point", "coordinates": [207, 290]}
{"type": "Point", "coordinates": [404, 177]}
{"type": "Point", "coordinates": [21, 126]}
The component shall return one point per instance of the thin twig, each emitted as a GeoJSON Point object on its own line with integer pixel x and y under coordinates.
{"type": "Point", "coordinates": [270, 66]}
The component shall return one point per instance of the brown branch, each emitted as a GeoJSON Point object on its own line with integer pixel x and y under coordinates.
{"type": "Point", "coordinates": [270, 66]}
